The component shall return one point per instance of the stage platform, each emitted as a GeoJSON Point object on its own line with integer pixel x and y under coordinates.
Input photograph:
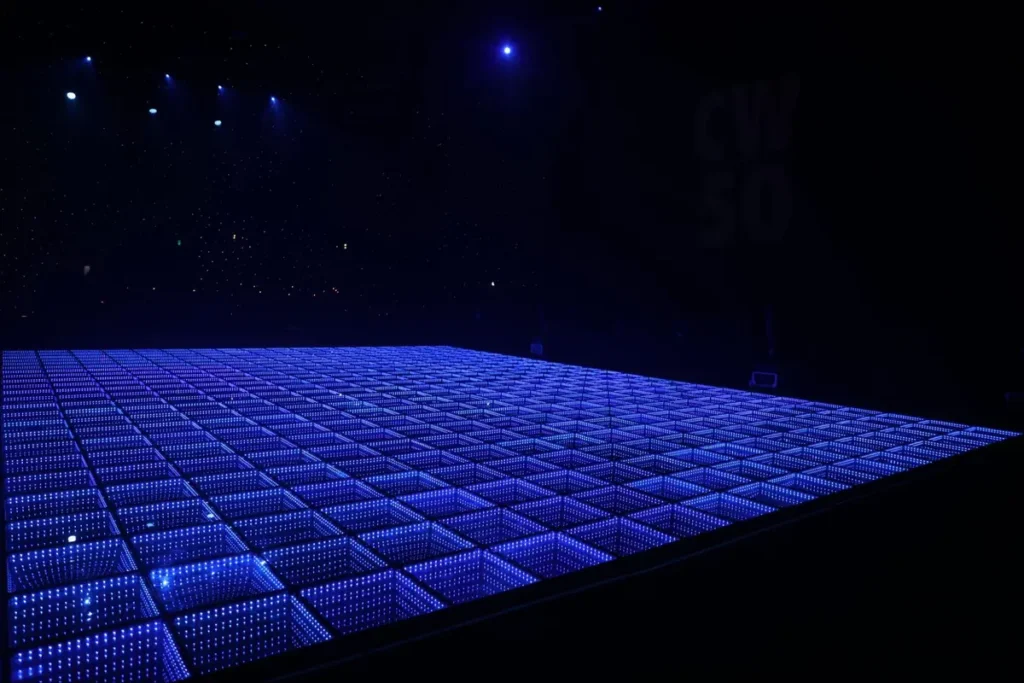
{"type": "Point", "coordinates": [175, 514]}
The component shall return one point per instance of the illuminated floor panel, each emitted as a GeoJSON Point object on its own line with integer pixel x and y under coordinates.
{"type": "Point", "coordinates": [171, 513]}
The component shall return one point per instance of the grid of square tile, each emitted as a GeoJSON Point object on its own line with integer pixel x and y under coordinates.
{"type": "Point", "coordinates": [171, 513]}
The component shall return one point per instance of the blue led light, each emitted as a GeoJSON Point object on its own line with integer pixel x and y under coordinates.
{"type": "Point", "coordinates": [217, 123]}
{"type": "Point", "coordinates": [493, 526]}
{"type": "Point", "coordinates": [71, 95]}
{"type": "Point", "coordinates": [445, 502]}
{"type": "Point", "coordinates": [149, 492]}
{"type": "Point", "coordinates": [507, 50]}
{"type": "Point", "coordinates": [193, 544]}
{"type": "Point", "coordinates": [234, 482]}
{"type": "Point", "coordinates": [152, 110]}
{"type": "Point", "coordinates": [668, 488]}
{"type": "Point", "coordinates": [364, 602]}
{"type": "Point", "coordinates": [222, 637]}
{"type": "Point", "coordinates": [192, 586]}
{"type": "Point", "coordinates": [57, 614]}
{"type": "Point", "coordinates": [405, 483]}
{"type": "Point", "coordinates": [551, 554]}
{"type": "Point", "coordinates": [122, 474]}
{"type": "Point", "coordinates": [52, 481]}
{"type": "Point", "coordinates": [166, 516]}
{"type": "Point", "coordinates": [145, 652]}
{"type": "Point", "coordinates": [415, 542]}
{"type": "Point", "coordinates": [470, 575]}
{"type": "Point", "coordinates": [53, 531]}
{"type": "Point", "coordinates": [620, 536]}
{"type": "Point", "coordinates": [378, 484]}
{"type": "Point", "coordinates": [335, 493]}
{"type": "Point", "coordinates": [310, 564]}
{"type": "Point", "coordinates": [271, 501]}
{"type": "Point", "coordinates": [560, 512]}
{"type": "Point", "coordinates": [66, 564]}
{"type": "Point", "coordinates": [88, 59]}
{"type": "Point", "coordinates": [372, 515]}
{"type": "Point", "coordinates": [509, 491]}
{"type": "Point", "coordinates": [288, 528]}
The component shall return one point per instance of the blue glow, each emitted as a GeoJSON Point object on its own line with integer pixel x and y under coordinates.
{"type": "Point", "coordinates": [220, 87]}
{"type": "Point", "coordinates": [191, 586]}
{"type": "Point", "coordinates": [167, 77]}
{"type": "Point", "coordinates": [217, 123]}
{"type": "Point", "coordinates": [507, 50]}
{"type": "Point", "coordinates": [145, 652]}
{"type": "Point", "coordinates": [152, 110]}
{"type": "Point", "coordinates": [273, 100]}
{"type": "Point", "coordinates": [71, 95]}
{"type": "Point", "coordinates": [167, 509]}
{"type": "Point", "coordinates": [88, 59]}
{"type": "Point", "coordinates": [117, 600]}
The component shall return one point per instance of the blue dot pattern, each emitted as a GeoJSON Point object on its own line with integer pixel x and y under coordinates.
{"type": "Point", "coordinates": [171, 513]}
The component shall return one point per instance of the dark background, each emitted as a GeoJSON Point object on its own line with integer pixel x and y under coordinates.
{"type": "Point", "coordinates": [571, 175]}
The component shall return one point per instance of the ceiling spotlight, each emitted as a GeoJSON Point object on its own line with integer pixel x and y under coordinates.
{"type": "Point", "coordinates": [88, 59]}
{"type": "Point", "coordinates": [152, 111]}
{"type": "Point", "coordinates": [217, 123]}
{"type": "Point", "coordinates": [167, 76]}
{"type": "Point", "coordinates": [273, 100]}
{"type": "Point", "coordinates": [507, 50]}
{"type": "Point", "coordinates": [71, 95]}
{"type": "Point", "coordinates": [220, 87]}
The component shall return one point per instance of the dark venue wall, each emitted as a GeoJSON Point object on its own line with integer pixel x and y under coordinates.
{"type": "Point", "coordinates": [687, 191]}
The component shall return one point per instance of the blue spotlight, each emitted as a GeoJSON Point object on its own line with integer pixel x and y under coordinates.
{"type": "Point", "coordinates": [273, 100]}
{"type": "Point", "coordinates": [88, 58]}
{"type": "Point", "coordinates": [167, 77]}
{"type": "Point", "coordinates": [217, 123]}
{"type": "Point", "coordinates": [220, 88]}
{"type": "Point", "coordinates": [152, 110]}
{"type": "Point", "coordinates": [71, 95]}
{"type": "Point", "coordinates": [507, 50]}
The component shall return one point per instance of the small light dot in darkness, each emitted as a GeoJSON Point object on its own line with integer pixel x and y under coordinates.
{"type": "Point", "coordinates": [217, 123]}
{"type": "Point", "coordinates": [507, 50]}
{"type": "Point", "coordinates": [152, 111]}
{"type": "Point", "coordinates": [71, 96]}
{"type": "Point", "coordinates": [88, 59]}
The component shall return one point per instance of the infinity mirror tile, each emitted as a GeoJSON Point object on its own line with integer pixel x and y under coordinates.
{"type": "Point", "coordinates": [172, 513]}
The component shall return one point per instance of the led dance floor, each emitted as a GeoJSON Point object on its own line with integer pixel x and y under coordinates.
{"type": "Point", "coordinates": [171, 513]}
